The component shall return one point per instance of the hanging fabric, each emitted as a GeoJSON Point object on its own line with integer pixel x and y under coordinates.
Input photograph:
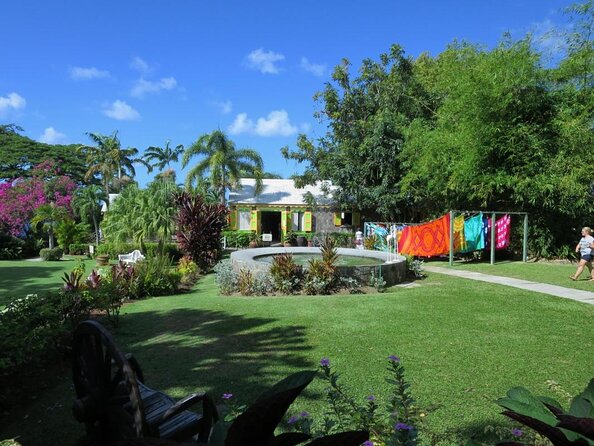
{"type": "Point", "coordinates": [502, 231]}
{"type": "Point", "coordinates": [426, 240]}
{"type": "Point", "coordinates": [474, 234]}
{"type": "Point", "coordinates": [459, 236]}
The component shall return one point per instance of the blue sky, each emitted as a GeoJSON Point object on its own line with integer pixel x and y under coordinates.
{"type": "Point", "coordinates": [157, 70]}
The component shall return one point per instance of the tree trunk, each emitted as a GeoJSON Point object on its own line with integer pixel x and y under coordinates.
{"type": "Point", "coordinates": [222, 191]}
{"type": "Point", "coordinates": [96, 229]}
{"type": "Point", "coordinates": [51, 238]}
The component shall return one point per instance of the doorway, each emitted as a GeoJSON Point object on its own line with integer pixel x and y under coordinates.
{"type": "Point", "coordinates": [270, 223]}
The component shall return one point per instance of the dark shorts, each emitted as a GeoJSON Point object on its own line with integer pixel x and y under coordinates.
{"type": "Point", "coordinates": [587, 257]}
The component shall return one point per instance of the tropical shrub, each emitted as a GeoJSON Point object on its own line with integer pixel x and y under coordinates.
{"type": "Point", "coordinates": [414, 267]}
{"type": "Point", "coordinates": [78, 248]}
{"type": "Point", "coordinates": [286, 274]}
{"type": "Point", "coordinates": [69, 232]}
{"type": "Point", "coordinates": [149, 249]}
{"type": "Point", "coordinates": [11, 248]}
{"type": "Point", "coordinates": [199, 229]}
{"type": "Point", "coordinates": [245, 282]}
{"type": "Point", "coordinates": [155, 276]}
{"type": "Point", "coordinates": [548, 417]}
{"type": "Point", "coordinates": [226, 278]}
{"type": "Point", "coordinates": [238, 239]}
{"type": "Point", "coordinates": [187, 269]}
{"type": "Point", "coordinates": [51, 254]}
{"type": "Point", "coordinates": [321, 277]}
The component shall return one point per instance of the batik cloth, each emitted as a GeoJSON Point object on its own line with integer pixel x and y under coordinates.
{"type": "Point", "coordinates": [426, 240]}
{"type": "Point", "coordinates": [459, 237]}
{"type": "Point", "coordinates": [474, 233]}
{"type": "Point", "coordinates": [502, 232]}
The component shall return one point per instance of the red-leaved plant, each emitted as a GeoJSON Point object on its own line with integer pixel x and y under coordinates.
{"type": "Point", "coordinates": [199, 228]}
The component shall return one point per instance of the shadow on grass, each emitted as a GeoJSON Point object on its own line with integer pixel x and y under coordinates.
{"type": "Point", "coordinates": [18, 281]}
{"type": "Point", "coordinates": [213, 350]}
{"type": "Point", "coordinates": [180, 351]}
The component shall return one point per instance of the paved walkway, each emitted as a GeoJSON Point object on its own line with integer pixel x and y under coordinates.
{"type": "Point", "coordinates": [553, 290]}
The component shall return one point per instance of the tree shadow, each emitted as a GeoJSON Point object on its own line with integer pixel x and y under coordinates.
{"type": "Point", "coordinates": [180, 351]}
{"type": "Point", "coordinates": [212, 350]}
{"type": "Point", "coordinates": [18, 281]}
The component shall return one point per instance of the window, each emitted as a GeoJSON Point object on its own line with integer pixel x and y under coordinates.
{"type": "Point", "coordinates": [244, 220]}
{"type": "Point", "coordinates": [297, 219]}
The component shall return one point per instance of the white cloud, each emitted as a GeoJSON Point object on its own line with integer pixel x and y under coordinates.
{"type": "Point", "coordinates": [81, 73]}
{"type": "Point", "coordinates": [121, 111]}
{"type": "Point", "coordinates": [140, 64]}
{"type": "Point", "coordinates": [225, 107]}
{"type": "Point", "coordinates": [264, 61]}
{"type": "Point", "coordinates": [275, 124]}
{"type": "Point", "coordinates": [143, 86]}
{"type": "Point", "coordinates": [313, 68]}
{"type": "Point", "coordinates": [241, 124]}
{"type": "Point", "coordinates": [52, 136]}
{"type": "Point", "coordinates": [12, 101]}
{"type": "Point", "coordinates": [548, 38]}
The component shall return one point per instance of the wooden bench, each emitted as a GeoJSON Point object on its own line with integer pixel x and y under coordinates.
{"type": "Point", "coordinates": [114, 402]}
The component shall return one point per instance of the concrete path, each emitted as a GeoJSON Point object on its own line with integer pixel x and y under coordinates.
{"type": "Point", "coordinates": [553, 290]}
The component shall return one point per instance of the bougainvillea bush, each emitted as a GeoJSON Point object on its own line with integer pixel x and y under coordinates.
{"type": "Point", "coordinates": [21, 197]}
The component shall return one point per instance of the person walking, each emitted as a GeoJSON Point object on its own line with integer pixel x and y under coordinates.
{"type": "Point", "coordinates": [584, 247]}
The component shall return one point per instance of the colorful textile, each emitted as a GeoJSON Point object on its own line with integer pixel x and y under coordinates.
{"type": "Point", "coordinates": [459, 238]}
{"type": "Point", "coordinates": [502, 232]}
{"type": "Point", "coordinates": [426, 240]}
{"type": "Point", "coordinates": [474, 233]}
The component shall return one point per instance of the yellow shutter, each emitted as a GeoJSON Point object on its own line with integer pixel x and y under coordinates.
{"type": "Point", "coordinates": [356, 219]}
{"type": "Point", "coordinates": [285, 215]}
{"type": "Point", "coordinates": [232, 219]}
{"type": "Point", "coordinates": [307, 221]}
{"type": "Point", "coordinates": [254, 221]}
{"type": "Point", "coordinates": [337, 219]}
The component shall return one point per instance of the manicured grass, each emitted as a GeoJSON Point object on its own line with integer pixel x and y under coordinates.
{"type": "Point", "coordinates": [463, 343]}
{"type": "Point", "coordinates": [545, 272]}
{"type": "Point", "coordinates": [19, 278]}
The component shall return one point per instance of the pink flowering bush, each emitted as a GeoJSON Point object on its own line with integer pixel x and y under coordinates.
{"type": "Point", "coordinates": [19, 198]}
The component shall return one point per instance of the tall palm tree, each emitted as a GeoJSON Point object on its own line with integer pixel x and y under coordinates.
{"type": "Point", "coordinates": [107, 159]}
{"type": "Point", "coordinates": [50, 215]}
{"type": "Point", "coordinates": [87, 202]}
{"type": "Point", "coordinates": [163, 157]}
{"type": "Point", "coordinates": [223, 162]}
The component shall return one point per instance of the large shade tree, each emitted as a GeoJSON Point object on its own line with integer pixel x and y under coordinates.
{"type": "Point", "coordinates": [222, 162]}
{"type": "Point", "coordinates": [87, 204]}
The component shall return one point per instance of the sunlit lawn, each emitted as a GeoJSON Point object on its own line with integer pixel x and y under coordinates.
{"type": "Point", "coordinates": [463, 344]}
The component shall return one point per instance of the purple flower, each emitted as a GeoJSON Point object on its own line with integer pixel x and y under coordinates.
{"type": "Point", "coordinates": [304, 414]}
{"type": "Point", "coordinates": [325, 362]}
{"type": "Point", "coordinates": [516, 432]}
{"type": "Point", "coordinates": [370, 398]}
{"type": "Point", "coordinates": [227, 396]}
{"type": "Point", "coordinates": [293, 419]}
{"type": "Point", "coordinates": [393, 358]}
{"type": "Point", "coordinates": [402, 427]}
{"type": "Point", "coordinates": [368, 443]}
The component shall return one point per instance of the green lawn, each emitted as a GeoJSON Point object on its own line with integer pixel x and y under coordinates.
{"type": "Point", "coordinates": [463, 343]}
{"type": "Point", "coordinates": [545, 272]}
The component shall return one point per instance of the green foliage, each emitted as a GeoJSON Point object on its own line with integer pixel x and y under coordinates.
{"type": "Point", "coordinates": [547, 416]}
{"type": "Point", "coordinates": [156, 276]}
{"type": "Point", "coordinates": [188, 270]}
{"type": "Point", "coordinates": [78, 248]}
{"type": "Point", "coordinates": [238, 239]}
{"type": "Point", "coordinates": [245, 282]}
{"type": "Point", "coordinates": [149, 249]}
{"type": "Point", "coordinates": [223, 161]}
{"type": "Point", "coordinates": [286, 274]}
{"type": "Point", "coordinates": [18, 154]}
{"type": "Point", "coordinates": [48, 254]}
{"type": "Point", "coordinates": [320, 277]}
{"type": "Point", "coordinates": [226, 278]}
{"type": "Point", "coordinates": [68, 232]}
{"type": "Point", "coordinates": [414, 267]}
{"type": "Point", "coordinates": [11, 248]}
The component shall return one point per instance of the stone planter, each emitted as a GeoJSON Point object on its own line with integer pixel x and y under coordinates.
{"type": "Point", "coordinates": [300, 240]}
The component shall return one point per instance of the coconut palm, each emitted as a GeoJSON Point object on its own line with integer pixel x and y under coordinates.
{"type": "Point", "coordinates": [222, 162]}
{"type": "Point", "coordinates": [107, 159]}
{"type": "Point", "coordinates": [163, 157]}
{"type": "Point", "coordinates": [50, 215]}
{"type": "Point", "coordinates": [87, 202]}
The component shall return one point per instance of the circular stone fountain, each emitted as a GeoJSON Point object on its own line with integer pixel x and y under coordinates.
{"type": "Point", "coordinates": [393, 272]}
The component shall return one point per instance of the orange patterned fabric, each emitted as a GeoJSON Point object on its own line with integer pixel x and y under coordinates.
{"type": "Point", "coordinates": [428, 239]}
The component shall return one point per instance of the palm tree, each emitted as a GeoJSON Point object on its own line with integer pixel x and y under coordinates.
{"type": "Point", "coordinates": [50, 215]}
{"type": "Point", "coordinates": [87, 201]}
{"type": "Point", "coordinates": [163, 157]}
{"type": "Point", "coordinates": [109, 160]}
{"type": "Point", "coordinates": [223, 162]}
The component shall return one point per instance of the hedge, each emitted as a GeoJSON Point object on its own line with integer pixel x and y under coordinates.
{"type": "Point", "coordinates": [238, 239]}
{"type": "Point", "coordinates": [150, 249]}
{"type": "Point", "coordinates": [51, 254]}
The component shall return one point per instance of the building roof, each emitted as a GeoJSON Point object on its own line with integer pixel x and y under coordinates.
{"type": "Point", "coordinates": [279, 192]}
